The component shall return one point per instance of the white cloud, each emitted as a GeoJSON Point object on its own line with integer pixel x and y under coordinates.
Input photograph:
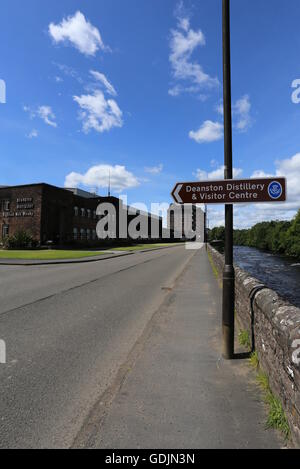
{"type": "Point", "coordinates": [58, 79]}
{"type": "Point", "coordinates": [183, 43]}
{"type": "Point", "coordinates": [47, 115]}
{"type": "Point", "coordinates": [261, 174]}
{"type": "Point", "coordinates": [33, 134]}
{"type": "Point", "coordinates": [43, 112]}
{"type": "Point", "coordinates": [290, 169]}
{"type": "Point", "coordinates": [100, 77]}
{"type": "Point", "coordinates": [155, 170]}
{"type": "Point", "coordinates": [98, 177]}
{"type": "Point", "coordinates": [68, 72]}
{"type": "Point", "coordinates": [79, 32]}
{"type": "Point", "coordinates": [208, 132]}
{"type": "Point", "coordinates": [241, 110]}
{"type": "Point", "coordinates": [220, 108]}
{"type": "Point", "coordinates": [97, 113]}
{"type": "Point", "coordinates": [175, 91]}
{"type": "Point", "coordinates": [217, 174]}
{"type": "Point", "coordinates": [241, 113]}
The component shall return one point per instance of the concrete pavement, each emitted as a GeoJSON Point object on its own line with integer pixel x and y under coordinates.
{"type": "Point", "coordinates": [181, 393]}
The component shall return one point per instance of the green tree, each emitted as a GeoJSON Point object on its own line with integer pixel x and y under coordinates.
{"type": "Point", "coordinates": [293, 238]}
{"type": "Point", "coordinates": [217, 234]}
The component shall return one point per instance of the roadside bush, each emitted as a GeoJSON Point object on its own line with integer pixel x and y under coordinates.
{"type": "Point", "coordinates": [20, 240]}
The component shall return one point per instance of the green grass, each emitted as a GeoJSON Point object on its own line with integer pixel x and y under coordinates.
{"type": "Point", "coordinates": [263, 381]}
{"type": "Point", "coordinates": [141, 247]}
{"type": "Point", "coordinates": [214, 268]}
{"type": "Point", "coordinates": [254, 361]}
{"type": "Point", "coordinates": [59, 255]}
{"type": "Point", "coordinates": [244, 339]}
{"type": "Point", "coordinates": [276, 415]}
{"type": "Point", "coordinates": [276, 418]}
{"type": "Point", "coordinates": [47, 255]}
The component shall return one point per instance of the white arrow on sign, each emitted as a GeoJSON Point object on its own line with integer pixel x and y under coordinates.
{"type": "Point", "coordinates": [176, 194]}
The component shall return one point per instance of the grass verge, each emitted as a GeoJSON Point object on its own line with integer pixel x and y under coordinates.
{"type": "Point", "coordinates": [47, 255]}
{"type": "Point", "coordinates": [215, 270]}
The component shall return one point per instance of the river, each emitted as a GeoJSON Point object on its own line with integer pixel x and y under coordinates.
{"type": "Point", "coordinates": [279, 273]}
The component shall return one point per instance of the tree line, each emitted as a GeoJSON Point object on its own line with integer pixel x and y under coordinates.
{"type": "Point", "coordinates": [280, 237]}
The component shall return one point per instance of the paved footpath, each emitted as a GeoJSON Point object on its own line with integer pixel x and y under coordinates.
{"type": "Point", "coordinates": [180, 393]}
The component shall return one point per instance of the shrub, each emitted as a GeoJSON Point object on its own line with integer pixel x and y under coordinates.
{"type": "Point", "coordinates": [20, 240]}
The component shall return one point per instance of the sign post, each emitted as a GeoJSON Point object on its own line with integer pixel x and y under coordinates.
{"type": "Point", "coordinates": [229, 192]}
{"type": "Point", "coordinates": [228, 274]}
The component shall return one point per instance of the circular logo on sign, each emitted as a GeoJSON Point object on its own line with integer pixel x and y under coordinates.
{"type": "Point", "coordinates": [275, 190]}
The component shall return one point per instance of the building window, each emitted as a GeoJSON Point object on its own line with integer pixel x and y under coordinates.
{"type": "Point", "coordinates": [88, 234]}
{"type": "Point", "coordinates": [94, 215]}
{"type": "Point", "coordinates": [76, 211]}
{"type": "Point", "coordinates": [5, 205]}
{"type": "Point", "coordinates": [83, 212]}
{"type": "Point", "coordinates": [82, 234]}
{"type": "Point", "coordinates": [75, 234]}
{"type": "Point", "coordinates": [89, 213]}
{"type": "Point", "coordinates": [94, 235]}
{"type": "Point", "coordinates": [5, 231]}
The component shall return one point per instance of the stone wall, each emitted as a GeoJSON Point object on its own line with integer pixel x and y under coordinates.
{"type": "Point", "coordinates": [276, 330]}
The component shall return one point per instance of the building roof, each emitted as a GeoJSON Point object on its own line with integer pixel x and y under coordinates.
{"type": "Point", "coordinates": [38, 184]}
{"type": "Point", "coordinates": [82, 193]}
{"type": "Point", "coordinates": [77, 192]}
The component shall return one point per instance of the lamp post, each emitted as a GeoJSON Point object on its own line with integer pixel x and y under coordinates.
{"type": "Point", "coordinates": [228, 274]}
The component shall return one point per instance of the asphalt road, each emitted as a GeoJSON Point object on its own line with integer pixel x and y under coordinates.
{"type": "Point", "coordinates": [68, 330]}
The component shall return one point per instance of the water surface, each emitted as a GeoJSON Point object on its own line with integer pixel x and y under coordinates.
{"type": "Point", "coordinates": [279, 273]}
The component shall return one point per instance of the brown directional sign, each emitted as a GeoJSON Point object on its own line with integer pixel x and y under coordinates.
{"type": "Point", "coordinates": [231, 191]}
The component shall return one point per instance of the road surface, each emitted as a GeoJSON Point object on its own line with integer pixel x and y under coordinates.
{"type": "Point", "coordinates": [68, 330]}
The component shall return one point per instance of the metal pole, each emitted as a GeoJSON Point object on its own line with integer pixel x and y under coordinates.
{"type": "Point", "coordinates": [229, 274]}
{"type": "Point", "coordinates": [205, 225]}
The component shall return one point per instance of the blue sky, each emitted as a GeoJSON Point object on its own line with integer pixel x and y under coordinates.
{"type": "Point", "coordinates": [135, 87]}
